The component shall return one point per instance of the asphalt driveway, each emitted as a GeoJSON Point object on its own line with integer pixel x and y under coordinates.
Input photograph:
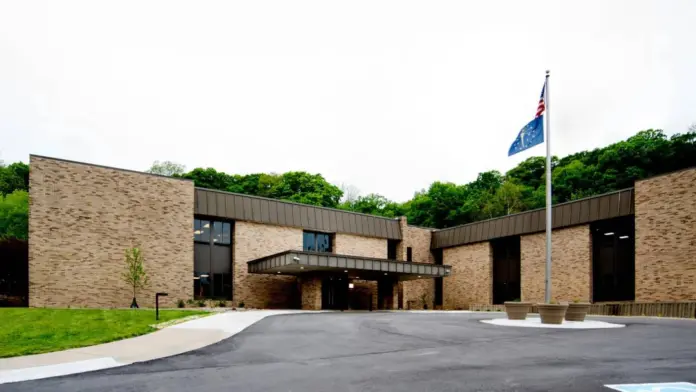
{"type": "Point", "coordinates": [409, 352]}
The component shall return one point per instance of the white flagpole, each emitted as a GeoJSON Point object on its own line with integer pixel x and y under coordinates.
{"type": "Point", "coordinates": [548, 190]}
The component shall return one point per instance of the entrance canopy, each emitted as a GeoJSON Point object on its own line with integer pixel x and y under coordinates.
{"type": "Point", "coordinates": [293, 262]}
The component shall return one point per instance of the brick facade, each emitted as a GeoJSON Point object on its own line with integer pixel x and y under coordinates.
{"type": "Point", "coordinates": [665, 210]}
{"type": "Point", "coordinates": [571, 268]}
{"type": "Point", "coordinates": [83, 218]}
{"type": "Point", "coordinates": [256, 240]}
{"type": "Point", "coordinates": [418, 239]}
{"type": "Point", "coordinates": [355, 245]}
{"type": "Point", "coordinates": [310, 290]}
{"type": "Point", "coordinates": [471, 279]}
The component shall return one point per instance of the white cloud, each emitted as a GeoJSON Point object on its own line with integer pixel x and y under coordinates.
{"type": "Point", "coordinates": [389, 96]}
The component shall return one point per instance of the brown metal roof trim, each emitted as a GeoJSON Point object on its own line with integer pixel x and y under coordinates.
{"type": "Point", "coordinates": [295, 262]}
{"type": "Point", "coordinates": [214, 203]}
{"type": "Point", "coordinates": [576, 212]}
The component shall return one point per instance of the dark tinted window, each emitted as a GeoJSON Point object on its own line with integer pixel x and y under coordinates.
{"type": "Point", "coordinates": [226, 234]}
{"type": "Point", "coordinates": [221, 233]}
{"type": "Point", "coordinates": [308, 241]}
{"type": "Point", "coordinates": [409, 254]}
{"type": "Point", "coordinates": [201, 230]}
{"type": "Point", "coordinates": [316, 242]}
{"type": "Point", "coordinates": [391, 249]}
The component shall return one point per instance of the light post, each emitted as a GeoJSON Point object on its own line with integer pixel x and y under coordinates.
{"type": "Point", "coordinates": [157, 295]}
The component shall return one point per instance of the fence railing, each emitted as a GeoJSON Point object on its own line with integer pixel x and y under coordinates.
{"type": "Point", "coordinates": [653, 309]}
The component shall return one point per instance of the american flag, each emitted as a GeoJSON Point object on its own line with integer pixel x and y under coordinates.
{"type": "Point", "coordinates": [542, 104]}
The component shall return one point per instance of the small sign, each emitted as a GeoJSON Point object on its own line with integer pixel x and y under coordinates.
{"type": "Point", "coordinates": [656, 387]}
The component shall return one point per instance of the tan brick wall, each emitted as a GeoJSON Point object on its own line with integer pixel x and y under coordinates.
{"type": "Point", "coordinates": [83, 217]}
{"type": "Point", "coordinates": [470, 281]}
{"type": "Point", "coordinates": [310, 289]}
{"type": "Point", "coordinates": [666, 237]}
{"type": "Point", "coordinates": [253, 241]}
{"type": "Point", "coordinates": [419, 240]}
{"type": "Point", "coordinates": [355, 245]}
{"type": "Point", "coordinates": [571, 267]}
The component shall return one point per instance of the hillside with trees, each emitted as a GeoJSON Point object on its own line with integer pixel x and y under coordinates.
{"type": "Point", "coordinates": [443, 204]}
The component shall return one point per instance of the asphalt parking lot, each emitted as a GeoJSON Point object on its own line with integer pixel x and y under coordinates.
{"type": "Point", "coordinates": [409, 352]}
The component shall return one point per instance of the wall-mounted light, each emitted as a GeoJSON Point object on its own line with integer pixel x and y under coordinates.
{"type": "Point", "coordinates": [204, 275]}
{"type": "Point", "coordinates": [278, 271]}
{"type": "Point", "coordinates": [609, 233]}
{"type": "Point", "coordinates": [350, 285]}
{"type": "Point", "coordinates": [385, 273]}
{"type": "Point", "coordinates": [295, 258]}
{"type": "Point", "coordinates": [346, 271]}
{"type": "Point", "coordinates": [197, 232]}
{"type": "Point", "coordinates": [623, 237]}
{"type": "Point", "coordinates": [301, 267]}
{"type": "Point", "coordinates": [419, 276]}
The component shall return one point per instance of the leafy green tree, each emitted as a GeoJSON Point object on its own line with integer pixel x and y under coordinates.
{"type": "Point", "coordinates": [135, 275]}
{"type": "Point", "coordinates": [210, 178]}
{"type": "Point", "coordinates": [14, 177]}
{"type": "Point", "coordinates": [303, 187]}
{"type": "Point", "coordinates": [167, 168]}
{"type": "Point", "coordinates": [14, 215]}
{"type": "Point", "coordinates": [374, 204]}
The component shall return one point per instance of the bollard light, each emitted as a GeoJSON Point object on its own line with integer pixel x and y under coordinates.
{"type": "Point", "coordinates": [157, 295]}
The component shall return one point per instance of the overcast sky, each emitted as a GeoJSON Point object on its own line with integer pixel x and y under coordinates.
{"type": "Point", "coordinates": [388, 96]}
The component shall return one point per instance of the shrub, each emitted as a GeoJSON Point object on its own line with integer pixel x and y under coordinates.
{"type": "Point", "coordinates": [190, 301]}
{"type": "Point", "coordinates": [221, 304]}
{"type": "Point", "coordinates": [180, 303]}
{"type": "Point", "coordinates": [241, 304]}
{"type": "Point", "coordinates": [201, 303]}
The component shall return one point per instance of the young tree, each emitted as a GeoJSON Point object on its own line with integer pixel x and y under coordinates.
{"type": "Point", "coordinates": [135, 275]}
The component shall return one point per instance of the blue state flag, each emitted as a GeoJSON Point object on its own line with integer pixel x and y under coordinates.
{"type": "Point", "coordinates": [531, 135]}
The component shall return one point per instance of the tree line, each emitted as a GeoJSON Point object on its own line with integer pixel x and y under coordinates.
{"type": "Point", "coordinates": [443, 204]}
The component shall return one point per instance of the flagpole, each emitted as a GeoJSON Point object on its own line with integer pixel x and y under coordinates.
{"type": "Point", "coordinates": [548, 190]}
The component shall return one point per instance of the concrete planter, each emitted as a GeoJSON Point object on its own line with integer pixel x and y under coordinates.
{"type": "Point", "coordinates": [552, 313]}
{"type": "Point", "coordinates": [517, 310]}
{"type": "Point", "coordinates": [577, 312]}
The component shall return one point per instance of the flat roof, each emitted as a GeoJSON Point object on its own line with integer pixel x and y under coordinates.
{"type": "Point", "coordinates": [294, 262]}
{"type": "Point", "coordinates": [576, 212]}
{"type": "Point", "coordinates": [236, 206]}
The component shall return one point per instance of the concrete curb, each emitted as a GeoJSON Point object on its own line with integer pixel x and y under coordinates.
{"type": "Point", "coordinates": [171, 340]}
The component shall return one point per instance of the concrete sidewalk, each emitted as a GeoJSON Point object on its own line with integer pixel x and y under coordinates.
{"type": "Point", "coordinates": [173, 340]}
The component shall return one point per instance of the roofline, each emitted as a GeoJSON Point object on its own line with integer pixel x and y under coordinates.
{"type": "Point", "coordinates": [105, 167]}
{"type": "Point", "coordinates": [260, 259]}
{"type": "Point", "coordinates": [295, 203]}
{"type": "Point", "coordinates": [666, 174]}
{"type": "Point", "coordinates": [536, 209]}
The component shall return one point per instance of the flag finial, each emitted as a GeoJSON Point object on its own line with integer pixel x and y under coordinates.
{"type": "Point", "coordinates": [548, 71]}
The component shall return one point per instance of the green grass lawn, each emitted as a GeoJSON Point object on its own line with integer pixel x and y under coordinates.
{"type": "Point", "coordinates": [25, 331]}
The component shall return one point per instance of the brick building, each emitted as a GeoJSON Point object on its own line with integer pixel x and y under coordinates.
{"type": "Point", "coordinates": [637, 244]}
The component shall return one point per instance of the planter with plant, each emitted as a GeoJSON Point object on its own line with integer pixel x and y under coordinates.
{"type": "Point", "coordinates": [552, 313]}
{"type": "Point", "coordinates": [180, 303]}
{"type": "Point", "coordinates": [135, 275]}
{"type": "Point", "coordinates": [577, 311]}
{"type": "Point", "coordinates": [517, 310]}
